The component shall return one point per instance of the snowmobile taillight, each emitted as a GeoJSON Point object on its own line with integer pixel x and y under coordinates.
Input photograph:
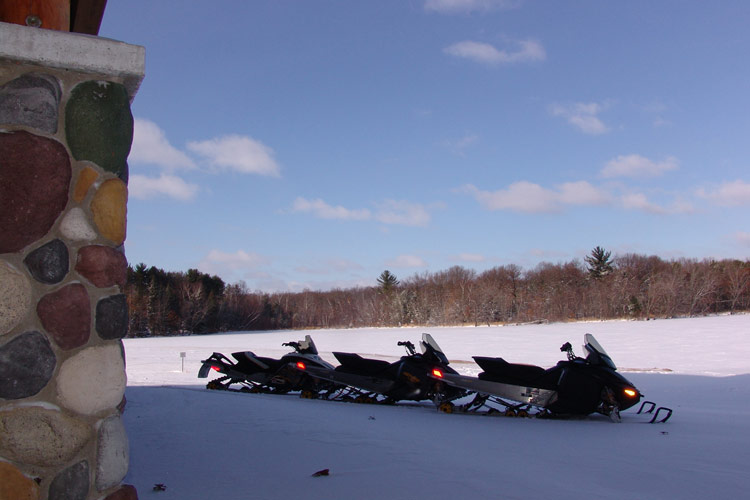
{"type": "Point", "coordinates": [301, 365]}
{"type": "Point", "coordinates": [217, 368]}
{"type": "Point", "coordinates": [437, 373]}
{"type": "Point", "coordinates": [631, 393]}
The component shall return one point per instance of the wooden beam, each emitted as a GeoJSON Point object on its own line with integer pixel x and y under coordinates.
{"type": "Point", "coordinates": [48, 14]}
{"type": "Point", "coordinates": [86, 15]}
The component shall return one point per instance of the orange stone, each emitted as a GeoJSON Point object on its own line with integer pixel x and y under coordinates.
{"type": "Point", "coordinates": [109, 207]}
{"type": "Point", "coordinates": [85, 179]}
{"type": "Point", "coordinates": [15, 486]}
{"type": "Point", "coordinates": [126, 492]}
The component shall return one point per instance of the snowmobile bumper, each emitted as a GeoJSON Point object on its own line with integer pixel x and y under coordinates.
{"type": "Point", "coordinates": [204, 370]}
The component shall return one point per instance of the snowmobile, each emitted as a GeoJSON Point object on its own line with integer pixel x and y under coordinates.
{"type": "Point", "coordinates": [574, 387]}
{"type": "Point", "coordinates": [373, 380]}
{"type": "Point", "coordinates": [260, 374]}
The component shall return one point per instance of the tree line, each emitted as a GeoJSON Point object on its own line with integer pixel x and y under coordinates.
{"type": "Point", "coordinates": [599, 287]}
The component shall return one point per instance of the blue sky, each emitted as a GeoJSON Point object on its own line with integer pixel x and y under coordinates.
{"type": "Point", "coordinates": [312, 144]}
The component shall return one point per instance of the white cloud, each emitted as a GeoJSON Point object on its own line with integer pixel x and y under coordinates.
{"type": "Point", "coordinates": [237, 153]}
{"type": "Point", "coordinates": [388, 212]}
{"type": "Point", "coordinates": [521, 196]}
{"type": "Point", "coordinates": [462, 143]}
{"type": "Point", "coordinates": [150, 145]}
{"type": "Point", "coordinates": [584, 115]}
{"type": "Point", "coordinates": [323, 210]}
{"type": "Point", "coordinates": [526, 51]}
{"type": "Point", "coordinates": [235, 266]}
{"type": "Point", "coordinates": [527, 197]}
{"type": "Point", "coordinates": [639, 201]}
{"type": "Point", "coordinates": [638, 166]}
{"type": "Point", "coordinates": [237, 260]}
{"type": "Point", "coordinates": [471, 257]}
{"type": "Point", "coordinates": [734, 193]}
{"type": "Point", "coordinates": [142, 187]}
{"type": "Point", "coordinates": [467, 6]}
{"type": "Point", "coordinates": [582, 193]}
{"type": "Point", "coordinates": [406, 261]}
{"type": "Point", "coordinates": [402, 213]}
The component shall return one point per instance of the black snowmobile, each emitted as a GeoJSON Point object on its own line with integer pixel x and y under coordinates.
{"type": "Point", "coordinates": [577, 386]}
{"type": "Point", "coordinates": [260, 374]}
{"type": "Point", "coordinates": [374, 380]}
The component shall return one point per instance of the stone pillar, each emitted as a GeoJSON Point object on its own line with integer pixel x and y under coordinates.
{"type": "Point", "coordinates": [65, 134]}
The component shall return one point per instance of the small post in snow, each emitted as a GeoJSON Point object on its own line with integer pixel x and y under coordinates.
{"type": "Point", "coordinates": [182, 357]}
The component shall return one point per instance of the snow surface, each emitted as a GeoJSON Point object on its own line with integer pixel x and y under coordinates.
{"type": "Point", "coordinates": [206, 444]}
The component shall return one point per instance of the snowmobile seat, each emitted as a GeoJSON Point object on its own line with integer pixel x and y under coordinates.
{"type": "Point", "coordinates": [356, 364]}
{"type": "Point", "coordinates": [499, 370]}
{"type": "Point", "coordinates": [246, 364]}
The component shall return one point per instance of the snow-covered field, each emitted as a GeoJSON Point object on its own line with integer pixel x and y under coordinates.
{"type": "Point", "coordinates": [205, 444]}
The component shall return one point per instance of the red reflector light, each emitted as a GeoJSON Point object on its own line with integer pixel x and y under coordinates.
{"type": "Point", "coordinates": [214, 367]}
{"type": "Point", "coordinates": [437, 373]}
{"type": "Point", "coordinates": [301, 365]}
{"type": "Point", "coordinates": [630, 392]}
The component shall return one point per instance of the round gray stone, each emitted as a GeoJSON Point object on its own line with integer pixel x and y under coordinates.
{"type": "Point", "coordinates": [112, 454]}
{"type": "Point", "coordinates": [49, 263]}
{"type": "Point", "coordinates": [71, 483]}
{"type": "Point", "coordinates": [112, 317]}
{"type": "Point", "coordinates": [27, 363]}
{"type": "Point", "coordinates": [31, 100]}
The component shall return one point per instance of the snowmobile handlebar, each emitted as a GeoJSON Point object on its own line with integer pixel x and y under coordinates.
{"type": "Point", "coordinates": [568, 348]}
{"type": "Point", "coordinates": [409, 346]}
{"type": "Point", "coordinates": [293, 345]}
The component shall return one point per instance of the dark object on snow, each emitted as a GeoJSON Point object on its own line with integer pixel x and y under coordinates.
{"type": "Point", "coordinates": [324, 472]}
{"type": "Point", "coordinates": [575, 387]}
{"type": "Point", "coordinates": [365, 380]}
{"type": "Point", "coordinates": [259, 374]}
{"type": "Point", "coordinates": [160, 487]}
{"type": "Point", "coordinates": [648, 407]}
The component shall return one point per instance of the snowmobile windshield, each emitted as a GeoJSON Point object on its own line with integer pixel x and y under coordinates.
{"type": "Point", "coordinates": [596, 353]}
{"type": "Point", "coordinates": [428, 344]}
{"type": "Point", "coordinates": [308, 346]}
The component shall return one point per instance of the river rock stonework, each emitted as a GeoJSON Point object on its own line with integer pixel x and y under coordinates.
{"type": "Point", "coordinates": [31, 100]}
{"type": "Point", "coordinates": [14, 485]}
{"type": "Point", "coordinates": [33, 187]}
{"type": "Point", "coordinates": [112, 317]}
{"type": "Point", "coordinates": [92, 381]}
{"type": "Point", "coordinates": [15, 297]}
{"type": "Point", "coordinates": [103, 266]}
{"type": "Point", "coordinates": [71, 484]}
{"type": "Point", "coordinates": [99, 124]}
{"type": "Point", "coordinates": [49, 263]}
{"type": "Point", "coordinates": [40, 436]}
{"type": "Point", "coordinates": [27, 363]}
{"type": "Point", "coordinates": [109, 208]}
{"type": "Point", "coordinates": [65, 133]}
{"type": "Point", "coordinates": [66, 315]}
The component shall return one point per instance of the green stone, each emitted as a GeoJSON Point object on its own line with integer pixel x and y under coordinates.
{"type": "Point", "coordinates": [99, 125]}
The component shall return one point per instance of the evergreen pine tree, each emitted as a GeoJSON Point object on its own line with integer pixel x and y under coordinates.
{"type": "Point", "coordinates": [599, 263]}
{"type": "Point", "coordinates": [387, 281]}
